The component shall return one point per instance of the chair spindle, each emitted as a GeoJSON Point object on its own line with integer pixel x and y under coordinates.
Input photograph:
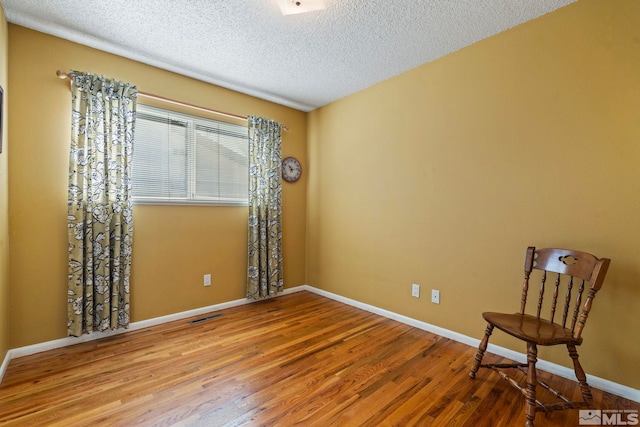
{"type": "Point", "coordinates": [541, 296]}
{"type": "Point", "coordinates": [555, 297]}
{"type": "Point", "coordinates": [567, 302]}
{"type": "Point", "coordinates": [576, 310]}
{"type": "Point", "coordinates": [525, 291]}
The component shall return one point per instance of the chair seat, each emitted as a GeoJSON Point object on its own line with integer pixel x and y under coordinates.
{"type": "Point", "coordinates": [531, 329]}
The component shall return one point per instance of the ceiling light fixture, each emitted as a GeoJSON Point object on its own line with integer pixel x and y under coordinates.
{"type": "Point", "coordinates": [291, 7]}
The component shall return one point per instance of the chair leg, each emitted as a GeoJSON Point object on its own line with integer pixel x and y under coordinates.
{"type": "Point", "coordinates": [532, 381]}
{"type": "Point", "coordinates": [581, 376]}
{"type": "Point", "coordinates": [481, 349]}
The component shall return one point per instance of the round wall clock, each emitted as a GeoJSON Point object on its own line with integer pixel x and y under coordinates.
{"type": "Point", "coordinates": [291, 169]}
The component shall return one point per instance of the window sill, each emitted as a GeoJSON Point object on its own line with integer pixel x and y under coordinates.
{"type": "Point", "coordinates": [186, 202]}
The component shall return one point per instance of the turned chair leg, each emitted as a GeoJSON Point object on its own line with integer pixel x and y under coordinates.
{"type": "Point", "coordinates": [581, 376]}
{"type": "Point", "coordinates": [532, 381]}
{"type": "Point", "coordinates": [481, 349]}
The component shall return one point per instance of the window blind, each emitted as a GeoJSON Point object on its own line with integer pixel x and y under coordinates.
{"type": "Point", "coordinates": [184, 159]}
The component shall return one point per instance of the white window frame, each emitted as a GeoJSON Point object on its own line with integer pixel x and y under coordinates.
{"type": "Point", "coordinates": [192, 198]}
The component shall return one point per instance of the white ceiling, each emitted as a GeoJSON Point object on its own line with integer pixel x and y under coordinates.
{"type": "Point", "coordinates": [301, 61]}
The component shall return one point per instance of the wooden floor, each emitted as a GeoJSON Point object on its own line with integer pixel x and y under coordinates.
{"type": "Point", "coordinates": [299, 359]}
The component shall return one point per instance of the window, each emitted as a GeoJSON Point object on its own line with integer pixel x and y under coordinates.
{"type": "Point", "coordinates": [184, 159]}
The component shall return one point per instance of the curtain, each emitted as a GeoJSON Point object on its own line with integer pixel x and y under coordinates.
{"type": "Point", "coordinates": [100, 222]}
{"type": "Point", "coordinates": [264, 275]}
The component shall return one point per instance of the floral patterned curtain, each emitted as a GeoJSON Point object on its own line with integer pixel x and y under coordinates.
{"type": "Point", "coordinates": [100, 211]}
{"type": "Point", "coordinates": [265, 208]}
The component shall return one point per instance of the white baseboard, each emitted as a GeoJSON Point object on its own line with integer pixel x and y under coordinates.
{"type": "Point", "coordinates": [562, 371]}
{"type": "Point", "coordinates": [600, 383]}
{"type": "Point", "coordinates": [64, 342]}
{"type": "Point", "coordinates": [5, 363]}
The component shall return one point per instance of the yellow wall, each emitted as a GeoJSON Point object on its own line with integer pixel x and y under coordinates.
{"type": "Point", "coordinates": [174, 246]}
{"type": "Point", "coordinates": [443, 176]}
{"type": "Point", "coordinates": [4, 199]}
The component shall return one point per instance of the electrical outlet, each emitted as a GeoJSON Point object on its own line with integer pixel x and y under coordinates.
{"type": "Point", "coordinates": [435, 296]}
{"type": "Point", "coordinates": [207, 279]}
{"type": "Point", "coordinates": [415, 290]}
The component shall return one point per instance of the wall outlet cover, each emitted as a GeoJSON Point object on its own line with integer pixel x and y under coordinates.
{"type": "Point", "coordinates": [415, 290]}
{"type": "Point", "coordinates": [435, 296]}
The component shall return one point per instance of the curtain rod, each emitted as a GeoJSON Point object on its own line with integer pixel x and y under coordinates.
{"type": "Point", "coordinates": [62, 75]}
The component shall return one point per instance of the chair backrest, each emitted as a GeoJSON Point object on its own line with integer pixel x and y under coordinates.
{"type": "Point", "coordinates": [569, 272]}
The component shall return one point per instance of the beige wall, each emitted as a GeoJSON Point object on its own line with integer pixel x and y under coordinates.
{"type": "Point", "coordinates": [4, 198]}
{"type": "Point", "coordinates": [174, 246]}
{"type": "Point", "coordinates": [443, 176]}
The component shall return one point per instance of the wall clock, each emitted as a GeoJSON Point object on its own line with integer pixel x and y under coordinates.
{"type": "Point", "coordinates": [291, 169]}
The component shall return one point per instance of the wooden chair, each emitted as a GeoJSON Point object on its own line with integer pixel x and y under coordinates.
{"type": "Point", "coordinates": [571, 273]}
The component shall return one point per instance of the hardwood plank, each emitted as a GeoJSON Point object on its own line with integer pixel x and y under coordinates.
{"type": "Point", "coordinates": [299, 359]}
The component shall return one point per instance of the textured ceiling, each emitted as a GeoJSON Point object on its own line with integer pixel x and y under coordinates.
{"type": "Point", "coordinates": [302, 61]}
